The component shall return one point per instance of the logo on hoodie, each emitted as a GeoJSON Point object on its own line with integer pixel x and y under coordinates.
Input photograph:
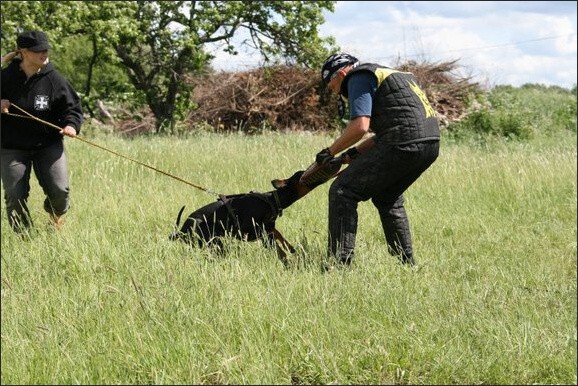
{"type": "Point", "coordinates": [41, 102]}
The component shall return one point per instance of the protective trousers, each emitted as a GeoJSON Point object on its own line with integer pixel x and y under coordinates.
{"type": "Point", "coordinates": [49, 165]}
{"type": "Point", "coordinates": [382, 174]}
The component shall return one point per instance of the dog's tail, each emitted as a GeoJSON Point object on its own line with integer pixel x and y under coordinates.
{"type": "Point", "coordinates": [176, 234]}
{"type": "Point", "coordinates": [179, 216]}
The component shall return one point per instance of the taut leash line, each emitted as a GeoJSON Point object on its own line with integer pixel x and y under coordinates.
{"type": "Point", "coordinates": [30, 116]}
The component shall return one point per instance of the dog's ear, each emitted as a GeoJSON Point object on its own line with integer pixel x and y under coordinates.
{"type": "Point", "coordinates": [278, 183]}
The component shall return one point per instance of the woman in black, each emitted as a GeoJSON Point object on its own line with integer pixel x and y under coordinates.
{"type": "Point", "coordinates": [30, 82]}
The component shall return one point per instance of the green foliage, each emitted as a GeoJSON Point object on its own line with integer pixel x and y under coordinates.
{"type": "Point", "coordinates": [107, 82]}
{"type": "Point", "coordinates": [158, 43]}
{"type": "Point", "coordinates": [517, 113]}
{"type": "Point", "coordinates": [140, 53]}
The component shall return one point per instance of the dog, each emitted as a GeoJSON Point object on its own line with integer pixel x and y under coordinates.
{"type": "Point", "coordinates": [247, 216]}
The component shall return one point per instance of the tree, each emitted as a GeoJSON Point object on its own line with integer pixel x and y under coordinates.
{"type": "Point", "coordinates": [159, 42]}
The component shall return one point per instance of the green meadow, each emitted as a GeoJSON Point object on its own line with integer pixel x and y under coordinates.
{"type": "Point", "coordinates": [109, 299]}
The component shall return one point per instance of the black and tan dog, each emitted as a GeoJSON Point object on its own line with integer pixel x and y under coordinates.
{"type": "Point", "coordinates": [247, 216]}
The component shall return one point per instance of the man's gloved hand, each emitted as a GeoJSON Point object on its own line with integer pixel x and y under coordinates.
{"type": "Point", "coordinates": [351, 154]}
{"type": "Point", "coordinates": [322, 170]}
{"type": "Point", "coordinates": [323, 157]}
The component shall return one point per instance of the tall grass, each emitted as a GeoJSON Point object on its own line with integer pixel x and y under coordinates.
{"type": "Point", "coordinates": [110, 300]}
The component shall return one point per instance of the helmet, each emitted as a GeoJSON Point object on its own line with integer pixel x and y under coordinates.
{"type": "Point", "coordinates": [334, 63]}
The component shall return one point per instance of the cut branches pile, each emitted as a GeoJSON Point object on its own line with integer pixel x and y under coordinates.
{"type": "Point", "coordinates": [285, 98]}
{"type": "Point", "coordinates": [275, 98]}
{"type": "Point", "coordinates": [290, 98]}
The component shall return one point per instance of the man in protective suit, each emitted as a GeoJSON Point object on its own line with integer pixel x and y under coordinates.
{"type": "Point", "coordinates": [398, 134]}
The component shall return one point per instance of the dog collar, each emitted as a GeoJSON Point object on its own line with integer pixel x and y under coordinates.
{"type": "Point", "coordinates": [277, 203]}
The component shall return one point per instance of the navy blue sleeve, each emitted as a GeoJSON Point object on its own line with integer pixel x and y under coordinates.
{"type": "Point", "coordinates": [361, 88]}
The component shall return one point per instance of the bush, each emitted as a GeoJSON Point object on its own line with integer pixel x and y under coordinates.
{"type": "Point", "coordinates": [517, 113]}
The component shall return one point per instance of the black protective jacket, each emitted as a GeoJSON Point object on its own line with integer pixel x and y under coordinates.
{"type": "Point", "coordinates": [46, 95]}
{"type": "Point", "coordinates": [400, 112]}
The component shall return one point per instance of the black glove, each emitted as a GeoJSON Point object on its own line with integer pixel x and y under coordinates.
{"type": "Point", "coordinates": [352, 153]}
{"type": "Point", "coordinates": [347, 156]}
{"type": "Point", "coordinates": [323, 157]}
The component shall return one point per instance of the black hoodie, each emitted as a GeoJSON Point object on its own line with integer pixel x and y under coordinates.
{"type": "Point", "coordinates": [46, 95]}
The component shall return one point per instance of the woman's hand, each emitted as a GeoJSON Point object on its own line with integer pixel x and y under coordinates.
{"type": "Point", "coordinates": [69, 131]}
{"type": "Point", "coordinates": [5, 104]}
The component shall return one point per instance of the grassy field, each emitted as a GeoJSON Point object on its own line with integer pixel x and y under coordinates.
{"type": "Point", "coordinates": [110, 300]}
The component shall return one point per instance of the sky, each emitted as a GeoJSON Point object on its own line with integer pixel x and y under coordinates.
{"type": "Point", "coordinates": [495, 42]}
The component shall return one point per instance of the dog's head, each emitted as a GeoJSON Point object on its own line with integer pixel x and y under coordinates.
{"type": "Point", "coordinates": [296, 180]}
{"type": "Point", "coordinates": [292, 189]}
{"type": "Point", "coordinates": [291, 181]}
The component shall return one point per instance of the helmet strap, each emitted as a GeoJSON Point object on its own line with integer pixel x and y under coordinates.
{"type": "Point", "coordinates": [340, 106]}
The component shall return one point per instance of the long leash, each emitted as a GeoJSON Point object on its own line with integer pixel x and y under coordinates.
{"type": "Point", "coordinates": [30, 116]}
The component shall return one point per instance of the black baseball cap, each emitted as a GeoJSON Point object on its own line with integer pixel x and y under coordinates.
{"type": "Point", "coordinates": [35, 41]}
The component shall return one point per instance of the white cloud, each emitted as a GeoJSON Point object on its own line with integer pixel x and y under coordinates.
{"type": "Point", "coordinates": [510, 42]}
{"type": "Point", "coordinates": [498, 42]}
